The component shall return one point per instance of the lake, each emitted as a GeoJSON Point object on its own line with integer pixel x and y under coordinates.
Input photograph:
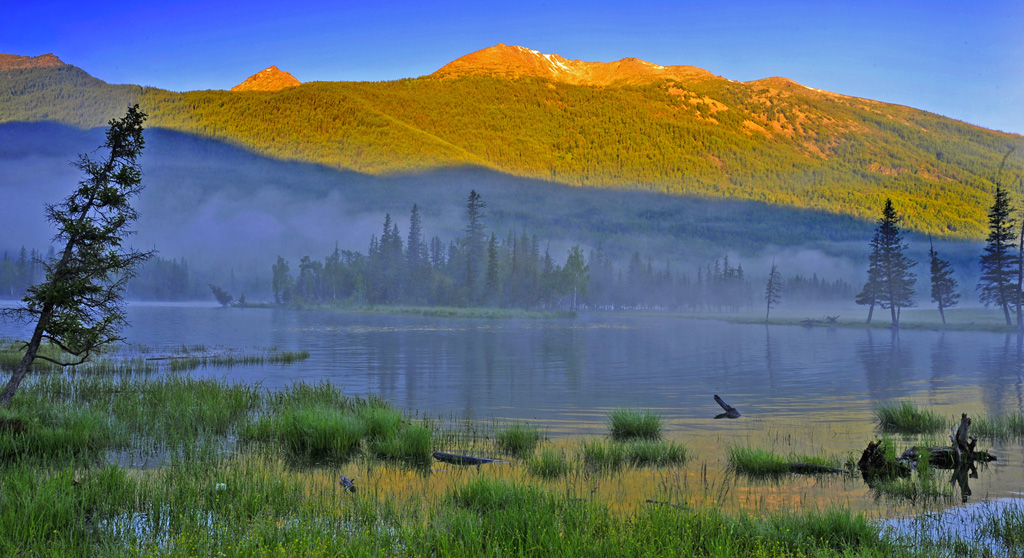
{"type": "Point", "coordinates": [804, 390]}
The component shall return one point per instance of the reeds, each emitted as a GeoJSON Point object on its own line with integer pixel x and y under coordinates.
{"type": "Point", "coordinates": [518, 438]}
{"type": "Point", "coordinates": [1009, 425]}
{"type": "Point", "coordinates": [906, 418]}
{"type": "Point", "coordinates": [763, 463]}
{"type": "Point", "coordinates": [628, 424]}
{"type": "Point", "coordinates": [550, 464]}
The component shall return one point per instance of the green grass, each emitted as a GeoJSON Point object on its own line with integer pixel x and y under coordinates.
{"type": "Point", "coordinates": [602, 456]}
{"type": "Point", "coordinates": [1009, 425]}
{"type": "Point", "coordinates": [517, 439]}
{"type": "Point", "coordinates": [628, 424]}
{"type": "Point", "coordinates": [321, 433]}
{"type": "Point", "coordinates": [550, 464]}
{"type": "Point", "coordinates": [905, 417]}
{"type": "Point", "coordinates": [412, 445]}
{"type": "Point", "coordinates": [763, 463]}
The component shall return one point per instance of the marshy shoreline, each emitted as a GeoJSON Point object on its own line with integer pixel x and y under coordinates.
{"type": "Point", "coordinates": [117, 462]}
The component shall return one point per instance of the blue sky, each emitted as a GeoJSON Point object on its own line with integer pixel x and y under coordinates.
{"type": "Point", "coordinates": [960, 59]}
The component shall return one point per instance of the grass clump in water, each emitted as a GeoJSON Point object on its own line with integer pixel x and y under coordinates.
{"type": "Point", "coordinates": [1001, 426]}
{"type": "Point", "coordinates": [628, 424]}
{"type": "Point", "coordinates": [550, 464]}
{"type": "Point", "coordinates": [757, 462]}
{"type": "Point", "coordinates": [762, 463]}
{"type": "Point", "coordinates": [517, 439]}
{"type": "Point", "coordinates": [906, 418]}
{"type": "Point", "coordinates": [321, 433]}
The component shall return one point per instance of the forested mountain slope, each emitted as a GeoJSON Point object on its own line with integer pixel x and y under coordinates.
{"type": "Point", "coordinates": [624, 125]}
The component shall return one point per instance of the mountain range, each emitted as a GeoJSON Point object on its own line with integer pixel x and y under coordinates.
{"type": "Point", "coordinates": [626, 125]}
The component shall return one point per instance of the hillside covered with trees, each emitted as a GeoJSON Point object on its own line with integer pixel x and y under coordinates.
{"type": "Point", "coordinates": [771, 140]}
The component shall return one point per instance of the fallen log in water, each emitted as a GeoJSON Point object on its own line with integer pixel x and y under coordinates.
{"type": "Point", "coordinates": [960, 454]}
{"type": "Point", "coordinates": [814, 469]}
{"type": "Point", "coordinates": [456, 459]}
{"type": "Point", "coordinates": [730, 411]}
{"type": "Point", "coordinates": [943, 457]}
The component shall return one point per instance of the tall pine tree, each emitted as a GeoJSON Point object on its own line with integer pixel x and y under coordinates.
{"type": "Point", "coordinates": [943, 284]}
{"type": "Point", "coordinates": [890, 282]}
{"type": "Point", "coordinates": [999, 265]}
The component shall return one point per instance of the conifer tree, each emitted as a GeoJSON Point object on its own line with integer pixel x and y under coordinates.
{"type": "Point", "coordinates": [890, 282]}
{"type": "Point", "coordinates": [943, 284]}
{"type": "Point", "coordinates": [577, 274]}
{"type": "Point", "coordinates": [999, 265]}
{"type": "Point", "coordinates": [79, 305]}
{"type": "Point", "coordinates": [475, 241]}
{"type": "Point", "coordinates": [773, 290]}
{"type": "Point", "coordinates": [491, 282]}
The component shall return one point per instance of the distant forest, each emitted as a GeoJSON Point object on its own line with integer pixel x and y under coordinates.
{"type": "Point", "coordinates": [479, 268]}
{"type": "Point", "coordinates": [517, 270]}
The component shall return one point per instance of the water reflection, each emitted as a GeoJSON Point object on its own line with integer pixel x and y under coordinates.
{"type": "Point", "coordinates": [887, 364]}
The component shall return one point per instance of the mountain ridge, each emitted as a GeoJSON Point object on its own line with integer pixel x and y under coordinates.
{"type": "Point", "coordinates": [18, 62]}
{"type": "Point", "coordinates": [503, 60]}
{"type": "Point", "coordinates": [770, 140]}
{"type": "Point", "coordinates": [269, 79]}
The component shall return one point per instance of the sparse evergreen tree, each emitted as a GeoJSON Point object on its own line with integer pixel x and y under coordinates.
{"type": "Point", "coordinates": [773, 290]}
{"type": "Point", "coordinates": [999, 265]}
{"type": "Point", "coordinates": [943, 284]}
{"type": "Point", "coordinates": [79, 305]}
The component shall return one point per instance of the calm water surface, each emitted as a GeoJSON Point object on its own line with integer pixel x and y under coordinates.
{"type": "Point", "coordinates": [800, 390]}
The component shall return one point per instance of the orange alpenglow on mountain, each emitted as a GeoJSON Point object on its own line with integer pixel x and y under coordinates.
{"type": "Point", "coordinates": [515, 62]}
{"type": "Point", "coordinates": [16, 62]}
{"type": "Point", "coordinates": [271, 79]}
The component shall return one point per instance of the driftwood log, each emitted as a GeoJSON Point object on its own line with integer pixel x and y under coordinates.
{"type": "Point", "coordinates": [730, 411]}
{"type": "Point", "coordinates": [960, 451]}
{"type": "Point", "coordinates": [456, 459]}
{"type": "Point", "coordinates": [814, 469]}
{"type": "Point", "coordinates": [874, 463]}
{"type": "Point", "coordinates": [960, 456]}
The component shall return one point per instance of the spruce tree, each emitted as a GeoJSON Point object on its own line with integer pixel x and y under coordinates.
{"type": "Point", "coordinates": [999, 265]}
{"type": "Point", "coordinates": [943, 284]}
{"type": "Point", "coordinates": [890, 282]}
{"type": "Point", "coordinates": [475, 242]}
{"type": "Point", "coordinates": [79, 306]}
{"type": "Point", "coordinates": [773, 290]}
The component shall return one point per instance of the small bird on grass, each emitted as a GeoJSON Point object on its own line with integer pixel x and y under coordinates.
{"type": "Point", "coordinates": [348, 484]}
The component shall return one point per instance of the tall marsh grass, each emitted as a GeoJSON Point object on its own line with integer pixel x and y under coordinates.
{"type": "Point", "coordinates": [519, 439]}
{"type": "Point", "coordinates": [907, 418]}
{"type": "Point", "coordinates": [628, 424]}
{"type": "Point", "coordinates": [1010, 425]}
